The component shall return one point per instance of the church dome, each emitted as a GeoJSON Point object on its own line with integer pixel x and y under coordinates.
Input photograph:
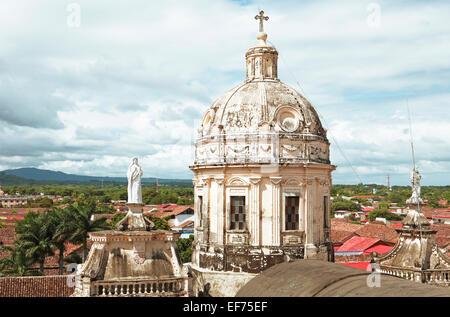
{"type": "Point", "coordinates": [261, 120]}
{"type": "Point", "coordinates": [255, 103]}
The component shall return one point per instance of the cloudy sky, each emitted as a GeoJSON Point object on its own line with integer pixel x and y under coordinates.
{"type": "Point", "coordinates": [84, 93]}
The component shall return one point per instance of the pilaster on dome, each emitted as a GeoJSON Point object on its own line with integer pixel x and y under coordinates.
{"type": "Point", "coordinates": [262, 59]}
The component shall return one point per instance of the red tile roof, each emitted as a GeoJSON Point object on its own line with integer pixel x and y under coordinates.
{"type": "Point", "coordinates": [19, 211]}
{"type": "Point", "coordinates": [357, 244]}
{"type": "Point", "coordinates": [342, 230]}
{"type": "Point", "coordinates": [378, 231]}
{"type": "Point", "coordinates": [442, 236]}
{"type": "Point", "coordinates": [379, 248]}
{"type": "Point", "coordinates": [174, 212]}
{"type": "Point", "coordinates": [339, 237]}
{"type": "Point", "coordinates": [344, 226]}
{"type": "Point", "coordinates": [35, 286]}
{"type": "Point", "coordinates": [7, 235]}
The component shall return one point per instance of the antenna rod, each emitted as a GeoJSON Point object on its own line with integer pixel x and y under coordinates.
{"type": "Point", "coordinates": [410, 135]}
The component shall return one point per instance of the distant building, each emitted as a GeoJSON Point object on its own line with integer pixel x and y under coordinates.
{"type": "Point", "coordinates": [13, 201]}
{"type": "Point", "coordinates": [441, 219]}
{"type": "Point", "coordinates": [342, 214]}
{"type": "Point", "coordinates": [181, 218]}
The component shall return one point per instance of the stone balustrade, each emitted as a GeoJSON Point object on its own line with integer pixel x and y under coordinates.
{"type": "Point", "coordinates": [170, 287]}
{"type": "Point", "coordinates": [439, 277]}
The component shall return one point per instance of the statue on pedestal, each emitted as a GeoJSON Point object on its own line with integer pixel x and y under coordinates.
{"type": "Point", "coordinates": [134, 176]}
{"type": "Point", "coordinates": [415, 184]}
{"type": "Point", "coordinates": [134, 219]}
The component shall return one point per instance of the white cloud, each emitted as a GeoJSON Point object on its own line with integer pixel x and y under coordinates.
{"type": "Point", "coordinates": [136, 77]}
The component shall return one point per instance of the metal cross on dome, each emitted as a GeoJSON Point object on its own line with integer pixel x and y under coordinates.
{"type": "Point", "coordinates": [261, 19]}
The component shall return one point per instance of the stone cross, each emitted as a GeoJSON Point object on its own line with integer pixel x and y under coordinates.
{"type": "Point", "coordinates": [261, 19]}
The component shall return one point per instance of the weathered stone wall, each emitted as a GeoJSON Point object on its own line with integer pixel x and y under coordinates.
{"type": "Point", "coordinates": [218, 284]}
{"type": "Point", "coordinates": [245, 258]}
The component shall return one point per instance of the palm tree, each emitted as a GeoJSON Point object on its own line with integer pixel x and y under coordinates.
{"type": "Point", "coordinates": [17, 263]}
{"type": "Point", "coordinates": [83, 223]}
{"type": "Point", "coordinates": [36, 234]}
{"type": "Point", "coordinates": [65, 227]}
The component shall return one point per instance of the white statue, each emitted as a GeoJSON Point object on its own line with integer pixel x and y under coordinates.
{"type": "Point", "coordinates": [415, 183]}
{"type": "Point", "coordinates": [134, 175]}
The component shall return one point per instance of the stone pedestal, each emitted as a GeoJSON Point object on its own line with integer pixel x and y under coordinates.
{"type": "Point", "coordinates": [132, 263]}
{"type": "Point", "coordinates": [134, 219]}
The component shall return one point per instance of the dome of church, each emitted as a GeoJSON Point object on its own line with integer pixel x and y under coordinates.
{"type": "Point", "coordinates": [261, 120]}
{"type": "Point", "coordinates": [255, 103]}
{"type": "Point", "coordinates": [262, 178]}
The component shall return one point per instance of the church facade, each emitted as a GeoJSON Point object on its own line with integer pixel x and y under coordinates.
{"type": "Point", "coordinates": [262, 174]}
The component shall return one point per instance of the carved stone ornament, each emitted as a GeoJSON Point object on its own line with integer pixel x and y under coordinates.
{"type": "Point", "coordinates": [138, 259]}
{"type": "Point", "coordinates": [276, 180]}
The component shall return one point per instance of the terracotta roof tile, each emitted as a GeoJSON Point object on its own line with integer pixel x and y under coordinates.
{"type": "Point", "coordinates": [339, 237]}
{"type": "Point", "coordinates": [35, 286]}
{"type": "Point", "coordinates": [378, 231]}
{"type": "Point", "coordinates": [344, 226]}
{"type": "Point", "coordinates": [176, 211]}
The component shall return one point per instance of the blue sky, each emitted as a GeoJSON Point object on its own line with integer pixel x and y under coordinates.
{"type": "Point", "coordinates": [135, 78]}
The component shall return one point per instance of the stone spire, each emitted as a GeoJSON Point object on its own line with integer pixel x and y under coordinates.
{"type": "Point", "coordinates": [262, 59]}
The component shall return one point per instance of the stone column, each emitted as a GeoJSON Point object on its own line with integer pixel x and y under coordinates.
{"type": "Point", "coordinates": [310, 248]}
{"type": "Point", "coordinates": [276, 207]}
{"type": "Point", "coordinates": [254, 209]}
{"type": "Point", "coordinates": [220, 209]}
{"type": "Point", "coordinates": [207, 219]}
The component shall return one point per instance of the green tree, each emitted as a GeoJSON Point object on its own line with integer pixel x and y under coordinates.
{"type": "Point", "coordinates": [116, 218]}
{"type": "Point", "coordinates": [82, 214]}
{"type": "Point", "coordinates": [160, 223]}
{"type": "Point", "coordinates": [185, 248]}
{"type": "Point", "coordinates": [45, 202]}
{"type": "Point", "coordinates": [345, 205]}
{"type": "Point", "coordinates": [65, 227]}
{"type": "Point", "coordinates": [383, 213]}
{"type": "Point", "coordinates": [36, 236]}
{"type": "Point", "coordinates": [17, 263]}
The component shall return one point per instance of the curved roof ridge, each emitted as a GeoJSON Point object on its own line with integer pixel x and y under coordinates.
{"type": "Point", "coordinates": [229, 98]}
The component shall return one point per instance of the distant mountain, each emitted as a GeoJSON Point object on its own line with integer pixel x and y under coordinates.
{"type": "Point", "coordinates": [14, 180]}
{"type": "Point", "coordinates": [24, 175]}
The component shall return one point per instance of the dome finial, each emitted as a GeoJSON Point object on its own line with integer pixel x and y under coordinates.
{"type": "Point", "coordinates": [262, 36]}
